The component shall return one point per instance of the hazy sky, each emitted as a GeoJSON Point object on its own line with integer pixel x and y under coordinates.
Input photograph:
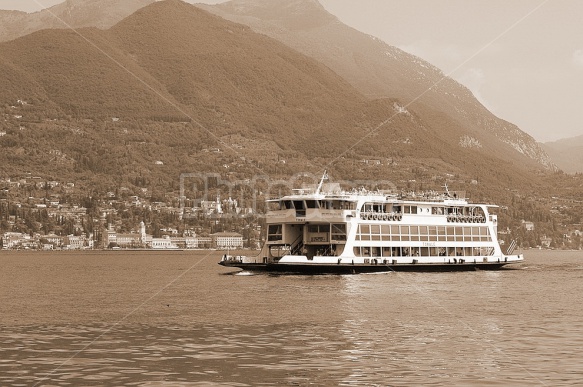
{"type": "Point", "coordinates": [523, 59]}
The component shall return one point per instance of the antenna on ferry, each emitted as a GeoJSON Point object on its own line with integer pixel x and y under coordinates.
{"type": "Point", "coordinates": [324, 177]}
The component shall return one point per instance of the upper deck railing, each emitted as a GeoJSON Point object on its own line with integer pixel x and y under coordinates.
{"type": "Point", "coordinates": [355, 194]}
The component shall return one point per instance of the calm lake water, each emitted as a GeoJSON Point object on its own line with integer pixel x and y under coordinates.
{"type": "Point", "coordinates": [179, 319]}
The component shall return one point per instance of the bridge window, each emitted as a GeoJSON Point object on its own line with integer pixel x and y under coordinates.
{"type": "Point", "coordinates": [274, 232]}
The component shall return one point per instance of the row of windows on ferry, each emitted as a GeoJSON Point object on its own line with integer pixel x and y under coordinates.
{"type": "Point", "coordinates": [302, 205]}
{"type": "Point", "coordinates": [315, 232]}
{"type": "Point", "coordinates": [312, 204]}
{"type": "Point", "coordinates": [415, 251]}
{"type": "Point", "coordinates": [397, 233]}
{"type": "Point", "coordinates": [423, 209]}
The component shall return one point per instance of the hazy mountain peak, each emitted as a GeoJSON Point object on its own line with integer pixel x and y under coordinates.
{"type": "Point", "coordinates": [71, 13]}
{"type": "Point", "coordinates": [291, 14]}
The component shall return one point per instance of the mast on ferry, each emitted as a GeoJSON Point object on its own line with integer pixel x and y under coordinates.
{"type": "Point", "coordinates": [324, 177]}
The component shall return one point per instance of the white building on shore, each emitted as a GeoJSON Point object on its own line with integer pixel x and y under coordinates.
{"type": "Point", "coordinates": [227, 240]}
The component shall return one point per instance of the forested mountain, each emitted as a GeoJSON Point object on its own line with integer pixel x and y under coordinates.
{"type": "Point", "coordinates": [171, 81]}
{"type": "Point", "coordinates": [566, 153]}
{"type": "Point", "coordinates": [380, 70]}
{"type": "Point", "coordinates": [69, 14]}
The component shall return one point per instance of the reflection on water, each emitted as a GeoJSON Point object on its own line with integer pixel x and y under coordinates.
{"type": "Point", "coordinates": [509, 327]}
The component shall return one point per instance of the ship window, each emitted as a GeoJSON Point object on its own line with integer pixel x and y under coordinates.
{"type": "Point", "coordinates": [450, 234]}
{"type": "Point", "coordinates": [437, 210]}
{"type": "Point", "coordinates": [433, 233]}
{"type": "Point", "coordinates": [467, 234]}
{"type": "Point", "coordinates": [405, 233]}
{"type": "Point", "coordinates": [414, 231]}
{"type": "Point", "coordinates": [423, 230]}
{"type": "Point", "coordinates": [339, 232]}
{"type": "Point", "coordinates": [274, 232]}
{"type": "Point", "coordinates": [287, 204]}
{"type": "Point", "coordinates": [365, 229]}
{"type": "Point", "coordinates": [319, 228]}
{"type": "Point", "coordinates": [274, 206]}
{"type": "Point", "coordinates": [312, 204]}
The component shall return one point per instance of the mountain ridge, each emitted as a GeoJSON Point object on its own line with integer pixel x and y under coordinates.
{"type": "Point", "coordinates": [101, 14]}
{"type": "Point", "coordinates": [380, 70]}
{"type": "Point", "coordinates": [567, 153]}
{"type": "Point", "coordinates": [210, 80]}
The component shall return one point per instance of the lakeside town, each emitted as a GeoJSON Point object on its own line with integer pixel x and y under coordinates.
{"type": "Point", "coordinates": [49, 215]}
{"type": "Point", "coordinates": [39, 214]}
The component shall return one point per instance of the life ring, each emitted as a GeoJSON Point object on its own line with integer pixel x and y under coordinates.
{"type": "Point", "coordinates": [385, 216]}
{"type": "Point", "coordinates": [483, 219]}
{"type": "Point", "coordinates": [399, 217]}
{"type": "Point", "coordinates": [375, 216]}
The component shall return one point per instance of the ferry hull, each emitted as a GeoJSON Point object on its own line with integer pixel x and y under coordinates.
{"type": "Point", "coordinates": [361, 268]}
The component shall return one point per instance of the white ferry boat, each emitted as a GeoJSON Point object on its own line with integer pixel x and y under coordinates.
{"type": "Point", "coordinates": [326, 230]}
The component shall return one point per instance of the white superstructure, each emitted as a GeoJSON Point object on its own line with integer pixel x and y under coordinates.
{"type": "Point", "coordinates": [372, 231]}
